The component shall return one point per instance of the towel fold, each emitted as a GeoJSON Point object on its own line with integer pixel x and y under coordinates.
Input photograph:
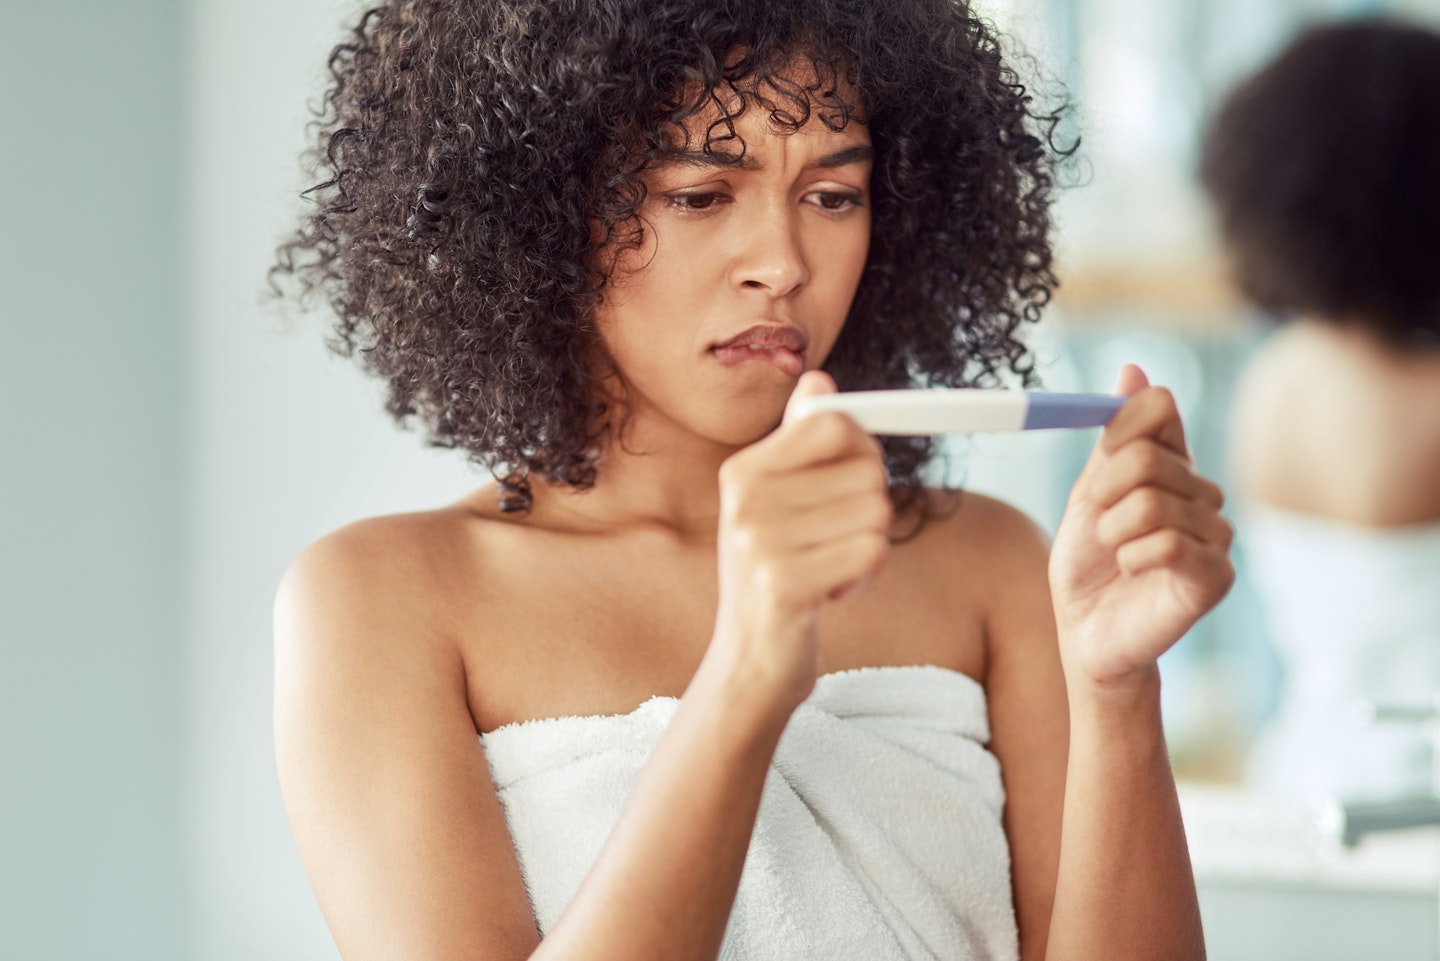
{"type": "Point", "coordinates": [879, 832]}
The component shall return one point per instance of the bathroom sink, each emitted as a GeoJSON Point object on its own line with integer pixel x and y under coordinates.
{"type": "Point", "coordinates": [1274, 886]}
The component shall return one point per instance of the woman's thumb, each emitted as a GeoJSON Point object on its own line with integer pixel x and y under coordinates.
{"type": "Point", "coordinates": [811, 382]}
{"type": "Point", "coordinates": [1131, 379]}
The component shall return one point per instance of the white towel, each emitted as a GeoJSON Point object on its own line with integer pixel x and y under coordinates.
{"type": "Point", "coordinates": [1354, 614]}
{"type": "Point", "coordinates": [878, 837]}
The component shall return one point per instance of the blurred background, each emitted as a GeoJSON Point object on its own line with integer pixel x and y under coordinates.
{"type": "Point", "coordinates": [169, 445]}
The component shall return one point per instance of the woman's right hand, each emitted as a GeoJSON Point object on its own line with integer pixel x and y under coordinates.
{"type": "Point", "coordinates": [805, 516]}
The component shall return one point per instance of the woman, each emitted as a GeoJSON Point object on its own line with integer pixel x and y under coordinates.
{"type": "Point", "coordinates": [1322, 171]}
{"type": "Point", "coordinates": [601, 247]}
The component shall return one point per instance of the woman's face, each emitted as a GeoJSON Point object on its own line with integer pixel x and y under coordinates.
{"type": "Point", "coordinates": [766, 254]}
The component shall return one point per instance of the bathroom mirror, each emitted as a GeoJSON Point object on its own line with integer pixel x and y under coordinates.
{"type": "Point", "coordinates": [1144, 278]}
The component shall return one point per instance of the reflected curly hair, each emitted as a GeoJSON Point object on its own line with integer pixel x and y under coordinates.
{"type": "Point", "coordinates": [482, 158]}
{"type": "Point", "coordinates": [1324, 170]}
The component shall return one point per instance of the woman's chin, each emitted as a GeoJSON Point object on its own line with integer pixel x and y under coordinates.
{"type": "Point", "coordinates": [743, 427]}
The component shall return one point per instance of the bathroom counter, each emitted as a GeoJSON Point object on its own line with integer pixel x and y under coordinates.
{"type": "Point", "coordinates": [1275, 884]}
{"type": "Point", "coordinates": [1240, 835]}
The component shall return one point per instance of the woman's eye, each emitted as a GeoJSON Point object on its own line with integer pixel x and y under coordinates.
{"type": "Point", "coordinates": [837, 202]}
{"type": "Point", "coordinates": [688, 202]}
{"type": "Point", "coordinates": [831, 201]}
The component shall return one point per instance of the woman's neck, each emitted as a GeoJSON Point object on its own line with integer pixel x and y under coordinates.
{"type": "Point", "coordinates": [657, 474]}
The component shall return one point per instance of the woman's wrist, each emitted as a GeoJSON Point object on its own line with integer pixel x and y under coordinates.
{"type": "Point", "coordinates": [1122, 700]}
{"type": "Point", "coordinates": [753, 707]}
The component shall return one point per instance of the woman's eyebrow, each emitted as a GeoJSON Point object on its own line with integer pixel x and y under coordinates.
{"type": "Point", "coordinates": [859, 153]}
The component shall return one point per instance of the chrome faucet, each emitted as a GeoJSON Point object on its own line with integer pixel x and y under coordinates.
{"type": "Point", "coordinates": [1352, 820]}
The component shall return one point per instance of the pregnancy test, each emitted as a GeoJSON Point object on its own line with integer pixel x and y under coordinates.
{"type": "Point", "coordinates": [964, 410]}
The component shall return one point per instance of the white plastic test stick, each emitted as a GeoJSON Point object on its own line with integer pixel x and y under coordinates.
{"type": "Point", "coordinates": [964, 410]}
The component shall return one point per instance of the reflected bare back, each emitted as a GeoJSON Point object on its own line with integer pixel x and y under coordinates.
{"type": "Point", "coordinates": [1332, 422]}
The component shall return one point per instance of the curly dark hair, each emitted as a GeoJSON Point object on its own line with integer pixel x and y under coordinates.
{"type": "Point", "coordinates": [470, 147]}
{"type": "Point", "coordinates": [1324, 170]}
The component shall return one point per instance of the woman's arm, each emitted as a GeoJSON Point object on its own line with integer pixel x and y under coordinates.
{"type": "Point", "coordinates": [1029, 716]}
{"type": "Point", "coordinates": [384, 780]}
{"type": "Point", "coordinates": [398, 822]}
{"type": "Point", "coordinates": [1125, 887]}
{"type": "Point", "coordinates": [1140, 556]}
{"type": "Point", "coordinates": [388, 793]}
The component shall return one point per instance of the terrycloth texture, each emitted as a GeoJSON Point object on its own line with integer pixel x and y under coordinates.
{"type": "Point", "coordinates": [878, 836]}
{"type": "Point", "coordinates": [1354, 613]}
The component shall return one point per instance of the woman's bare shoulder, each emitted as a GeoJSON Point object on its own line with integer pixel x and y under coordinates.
{"type": "Point", "coordinates": [986, 534]}
{"type": "Point", "coordinates": [352, 596]}
{"type": "Point", "coordinates": [991, 556]}
{"type": "Point", "coordinates": [409, 565]}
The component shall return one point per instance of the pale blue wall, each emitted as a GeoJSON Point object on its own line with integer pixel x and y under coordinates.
{"type": "Point", "coordinates": [91, 475]}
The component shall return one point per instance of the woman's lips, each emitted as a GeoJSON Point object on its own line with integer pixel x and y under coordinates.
{"type": "Point", "coordinates": [784, 359]}
{"type": "Point", "coordinates": [775, 342]}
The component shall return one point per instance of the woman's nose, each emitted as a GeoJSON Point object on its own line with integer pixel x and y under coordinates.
{"type": "Point", "coordinates": [770, 256]}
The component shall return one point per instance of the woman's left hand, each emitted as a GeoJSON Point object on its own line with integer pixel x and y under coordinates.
{"type": "Point", "coordinates": [1142, 551]}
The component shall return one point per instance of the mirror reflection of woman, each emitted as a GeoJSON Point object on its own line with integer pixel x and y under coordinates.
{"type": "Point", "coordinates": [690, 679]}
{"type": "Point", "coordinates": [1323, 169]}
